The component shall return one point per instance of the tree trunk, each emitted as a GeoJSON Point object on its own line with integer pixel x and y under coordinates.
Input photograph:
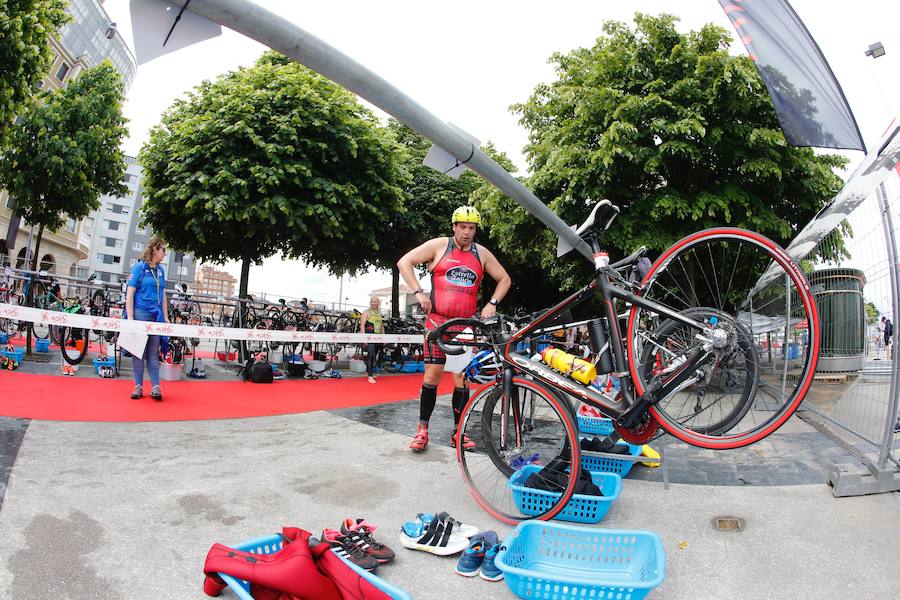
{"type": "Point", "coordinates": [37, 248]}
{"type": "Point", "coordinates": [242, 309]}
{"type": "Point", "coordinates": [245, 277]}
{"type": "Point", "coordinates": [395, 291]}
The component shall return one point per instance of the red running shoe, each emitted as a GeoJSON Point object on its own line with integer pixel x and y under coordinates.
{"type": "Point", "coordinates": [361, 533]}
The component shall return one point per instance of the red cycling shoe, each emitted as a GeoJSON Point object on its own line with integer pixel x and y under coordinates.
{"type": "Point", "coordinates": [468, 444]}
{"type": "Point", "coordinates": [420, 441]}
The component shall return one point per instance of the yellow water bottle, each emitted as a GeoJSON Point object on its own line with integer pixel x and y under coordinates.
{"type": "Point", "coordinates": [569, 364]}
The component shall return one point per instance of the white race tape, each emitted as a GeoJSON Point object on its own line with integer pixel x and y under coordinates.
{"type": "Point", "coordinates": [63, 319]}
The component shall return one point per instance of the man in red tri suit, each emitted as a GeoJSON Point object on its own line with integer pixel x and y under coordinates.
{"type": "Point", "coordinates": [457, 266]}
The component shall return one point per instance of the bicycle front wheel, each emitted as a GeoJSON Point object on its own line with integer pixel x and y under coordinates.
{"type": "Point", "coordinates": [530, 433]}
{"type": "Point", "coordinates": [744, 292]}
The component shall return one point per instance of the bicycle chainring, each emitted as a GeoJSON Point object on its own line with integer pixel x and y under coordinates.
{"type": "Point", "coordinates": [640, 434]}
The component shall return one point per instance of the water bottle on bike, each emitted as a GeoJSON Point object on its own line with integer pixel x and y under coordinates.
{"type": "Point", "coordinates": [569, 364]}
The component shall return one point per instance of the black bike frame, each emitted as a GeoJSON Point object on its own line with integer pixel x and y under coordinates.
{"type": "Point", "coordinates": [604, 288]}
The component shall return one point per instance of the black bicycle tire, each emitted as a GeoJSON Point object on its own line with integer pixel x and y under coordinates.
{"type": "Point", "coordinates": [491, 402]}
{"type": "Point", "coordinates": [389, 365]}
{"type": "Point", "coordinates": [562, 409]}
{"type": "Point", "coordinates": [39, 300]}
{"type": "Point", "coordinates": [66, 335]}
{"type": "Point", "coordinates": [787, 408]}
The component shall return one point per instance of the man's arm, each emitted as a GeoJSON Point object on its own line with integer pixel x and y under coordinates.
{"type": "Point", "coordinates": [422, 254]}
{"type": "Point", "coordinates": [493, 268]}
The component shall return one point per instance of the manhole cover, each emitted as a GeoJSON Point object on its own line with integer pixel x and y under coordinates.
{"type": "Point", "coordinates": [39, 357]}
{"type": "Point", "coordinates": [729, 524]}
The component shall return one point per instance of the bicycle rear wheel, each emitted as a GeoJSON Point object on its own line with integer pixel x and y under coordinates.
{"type": "Point", "coordinates": [393, 358]}
{"type": "Point", "coordinates": [74, 344]}
{"type": "Point", "coordinates": [743, 288]}
{"type": "Point", "coordinates": [537, 429]}
{"type": "Point", "coordinates": [40, 301]}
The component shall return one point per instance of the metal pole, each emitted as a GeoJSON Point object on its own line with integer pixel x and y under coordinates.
{"type": "Point", "coordinates": [279, 34]}
{"type": "Point", "coordinates": [888, 223]}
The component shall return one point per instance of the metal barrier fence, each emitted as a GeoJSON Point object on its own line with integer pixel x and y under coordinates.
{"type": "Point", "coordinates": [855, 398]}
{"type": "Point", "coordinates": [205, 310]}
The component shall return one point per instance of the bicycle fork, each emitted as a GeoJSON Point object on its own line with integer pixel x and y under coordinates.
{"type": "Point", "coordinates": [505, 401]}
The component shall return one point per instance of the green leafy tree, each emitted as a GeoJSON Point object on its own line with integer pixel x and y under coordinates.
{"type": "Point", "coordinates": [272, 158]}
{"type": "Point", "coordinates": [430, 199]}
{"type": "Point", "coordinates": [671, 128]}
{"type": "Point", "coordinates": [25, 28]}
{"type": "Point", "coordinates": [872, 312]}
{"type": "Point", "coordinates": [503, 220]}
{"type": "Point", "coordinates": [64, 151]}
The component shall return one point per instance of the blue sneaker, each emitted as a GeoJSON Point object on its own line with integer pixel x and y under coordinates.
{"type": "Point", "coordinates": [489, 536]}
{"type": "Point", "coordinates": [489, 570]}
{"type": "Point", "coordinates": [470, 560]}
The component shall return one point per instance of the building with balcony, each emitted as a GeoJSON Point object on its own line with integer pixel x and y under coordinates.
{"type": "Point", "coordinates": [116, 239]}
{"type": "Point", "coordinates": [88, 39]}
{"type": "Point", "coordinates": [214, 282]}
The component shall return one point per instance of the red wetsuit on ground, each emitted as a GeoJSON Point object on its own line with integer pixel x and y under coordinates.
{"type": "Point", "coordinates": [455, 282]}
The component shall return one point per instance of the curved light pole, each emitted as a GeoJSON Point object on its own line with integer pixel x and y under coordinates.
{"type": "Point", "coordinates": [280, 34]}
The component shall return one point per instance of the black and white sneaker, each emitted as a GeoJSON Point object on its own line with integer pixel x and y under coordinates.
{"type": "Point", "coordinates": [350, 548]}
{"type": "Point", "coordinates": [363, 531]}
{"type": "Point", "coordinates": [437, 537]}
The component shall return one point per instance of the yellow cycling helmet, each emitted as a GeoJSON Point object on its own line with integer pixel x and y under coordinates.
{"type": "Point", "coordinates": [466, 214]}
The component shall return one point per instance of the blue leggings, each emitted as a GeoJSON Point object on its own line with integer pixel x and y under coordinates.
{"type": "Point", "coordinates": [151, 353]}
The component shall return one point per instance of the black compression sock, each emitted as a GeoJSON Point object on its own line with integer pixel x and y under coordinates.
{"type": "Point", "coordinates": [427, 400]}
{"type": "Point", "coordinates": [460, 397]}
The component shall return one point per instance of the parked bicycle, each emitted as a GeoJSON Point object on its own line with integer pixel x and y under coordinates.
{"type": "Point", "coordinates": [686, 361]}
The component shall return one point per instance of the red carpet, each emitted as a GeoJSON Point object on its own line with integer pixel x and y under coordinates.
{"type": "Point", "coordinates": [60, 398]}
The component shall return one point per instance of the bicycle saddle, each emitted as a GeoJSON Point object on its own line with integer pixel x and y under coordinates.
{"type": "Point", "coordinates": [604, 213]}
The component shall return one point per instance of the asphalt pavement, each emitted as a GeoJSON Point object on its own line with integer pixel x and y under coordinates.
{"type": "Point", "coordinates": [129, 510]}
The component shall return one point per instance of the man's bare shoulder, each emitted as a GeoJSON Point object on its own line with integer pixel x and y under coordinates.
{"type": "Point", "coordinates": [485, 253]}
{"type": "Point", "coordinates": [437, 245]}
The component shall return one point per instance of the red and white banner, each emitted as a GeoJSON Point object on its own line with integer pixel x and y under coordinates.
{"type": "Point", "coordinates": [15, 312]}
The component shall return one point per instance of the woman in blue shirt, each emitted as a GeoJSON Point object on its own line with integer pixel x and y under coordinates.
{"type": "Point", "coordinates": [146, 301]}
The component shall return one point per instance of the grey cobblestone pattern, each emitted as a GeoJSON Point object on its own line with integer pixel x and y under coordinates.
{"type": "Point", "coordinates": [798, 458]}
{"type": "Point", "coordinates": [11, 433]}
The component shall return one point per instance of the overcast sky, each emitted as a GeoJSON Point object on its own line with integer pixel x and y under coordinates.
{"type": "Point", "coordinates": [467, 62]}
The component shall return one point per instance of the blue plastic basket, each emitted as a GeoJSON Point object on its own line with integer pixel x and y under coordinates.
{"type": "Point", "coordinates": [580, 509]}
{"type": "Point", "coordinates": [108, 362]}
{"type": "Point", "coordinates": [271, 544]}
{"type": "Point", "coordinates": [545, 560]}
{"type": "Point", "coordinates": [410, 367]}
{"type": "Point", "coordinates": [619, 466]}
{"type": "Point", "coordinates": [595, 425]}
{"type": "Point", "coordinates": [41, 345]}
{"type": "Point", "coordinates": [3, 338]}
{"type": "Point", "coordinates": [16, 354]}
